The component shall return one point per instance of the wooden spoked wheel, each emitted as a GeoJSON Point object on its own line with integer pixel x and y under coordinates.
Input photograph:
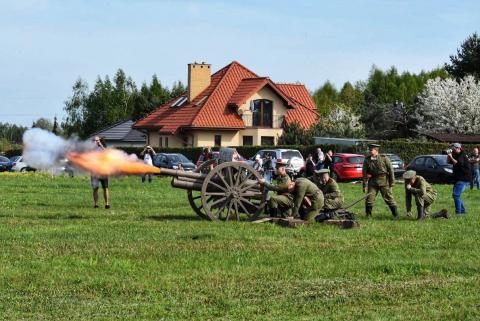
{"type": "Point", "coordinates": [195, 197]}
{"type": "Point", "coordinates": [230, 191]}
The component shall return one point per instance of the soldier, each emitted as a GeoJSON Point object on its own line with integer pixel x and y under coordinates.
{"type": "Point", "coordinates": [282, 203]}
{"type": "Point", "coordinates": [381, 180]}
{"type": "Point", "coordinates": [307, 193]}
{"type": "Point", "coordinates": [331, 192]}
{"type": "Point", "coordinates": [424, 195]}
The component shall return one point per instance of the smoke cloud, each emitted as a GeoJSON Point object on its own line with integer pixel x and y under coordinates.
{"type": "Point", "coordinates": [45, 150]}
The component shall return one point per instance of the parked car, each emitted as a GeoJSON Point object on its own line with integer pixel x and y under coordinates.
{"type": "Point", "coordinates": [215, 155]}
{"type": "Point", "coordinates": [346, 166]}
{"type": "Point", "coordinates": [19, 165]}
{"type": "Point", "coordinates": [5, 164]}
{"type": "Point", "coordinates": [434, 168]}
{"type": "Point", "coordinates": [397, 164]}
{"type": "Point", "coordinates": [291, 156]}
{"type": "Point", "coordinates": [173, 161]}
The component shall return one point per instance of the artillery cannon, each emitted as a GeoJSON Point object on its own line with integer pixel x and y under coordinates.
{"type": "Point", "coordinates": [221, 189]}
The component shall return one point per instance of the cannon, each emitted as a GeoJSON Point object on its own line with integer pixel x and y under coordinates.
{"type": "Point", "coordinates": [222, 189]}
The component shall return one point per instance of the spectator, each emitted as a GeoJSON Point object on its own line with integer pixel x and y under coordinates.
{"type": "Point", "coordinates": [309, 166]}
{"type": "Point", "coordinates": [258, 164]}
{"type": "Point", "coordinates": [475, 162]}
{"type": "Point", "coordinates": [95, 181]}
{"type": "Point", "coordinates": [461, 173]}
{"type": "Point", "coordinates": [148, 153]}
{"type": "Point", "coordinates": [319, 158]}
{"type": "Point", "coordinates": [268, 168]}
{"type": "Point", "coordinates": [327, 163]}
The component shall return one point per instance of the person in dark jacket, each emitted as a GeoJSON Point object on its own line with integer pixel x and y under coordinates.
{"type": "Point", "coordinates": [462, 175]}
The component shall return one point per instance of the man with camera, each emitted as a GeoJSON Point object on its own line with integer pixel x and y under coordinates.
{"type": "Point", "coordinates": [461, 173]}
{"type": "Point", "coordinates": [148, 153]}
{"type": "Point", "coordinates": [96, 181]}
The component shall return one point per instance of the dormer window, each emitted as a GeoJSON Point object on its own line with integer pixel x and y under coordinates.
{"type": "Point", "coordinates": [179, 102]}
{"type": "Point", "coordinates": [262, 112]}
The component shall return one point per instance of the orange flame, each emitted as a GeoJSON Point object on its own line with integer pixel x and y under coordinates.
{"type": "Point", "coordinates": [110, 162]}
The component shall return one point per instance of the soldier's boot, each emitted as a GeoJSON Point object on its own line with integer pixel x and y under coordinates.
{"type": "Point", "coordinates": [420, 213]}
{"type": "Point", "coordinates": [442, 214]}
{"type": "Point", "coordinates": [394, 211]}
{"type": "Point", "coordinates": [368, 210]}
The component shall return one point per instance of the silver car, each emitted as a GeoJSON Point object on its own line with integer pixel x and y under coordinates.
{"type": "Point", "coordinates": [292, 157]}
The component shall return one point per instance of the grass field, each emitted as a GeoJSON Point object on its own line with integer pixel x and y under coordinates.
{"type": "Point", "coordinates": [150, 258]}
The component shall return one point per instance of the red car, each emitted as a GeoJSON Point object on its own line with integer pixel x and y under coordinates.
{"type": "Point", "coordinates": [347, 166]}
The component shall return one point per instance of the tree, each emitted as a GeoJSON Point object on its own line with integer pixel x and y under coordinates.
{"type": "Point", "coordinates": [75, 108]}
{"type": "Point", "coordinates": [351, 97]}
{"type": "Point", "coordinates": [341, 122]}
{"type": "Point", "coordinates": [43, 123]}
{"type": "Point", "coordinates": [450, 106]}
{"type": "Point", "coordinates": [11, 133]}
{"type": "Point", "coordinates": [294, 134]}
{"type": "Point", "coordinates": [467, 59]}
{"type": "Point", "coordinates": [178, 88]}
{"type": "Point", "coordinates": [325, 97]}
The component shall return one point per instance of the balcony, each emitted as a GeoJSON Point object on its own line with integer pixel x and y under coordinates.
{"type": "Point", "coordinates": [252, 121]}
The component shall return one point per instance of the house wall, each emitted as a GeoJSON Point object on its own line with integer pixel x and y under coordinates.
{"type": "Point", "coordinates": [206, 138]}
{"type": "Point", "coordinates": [173, 140]}
{"type": "Point", "coordinates": [279, 108]}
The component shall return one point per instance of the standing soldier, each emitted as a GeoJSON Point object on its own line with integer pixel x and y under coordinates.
{"type": "Point", "coordinates": [381, 180]}
{"type": "Point", "coordinates": [282, 203]}
{"type": "Point", "coordinates": [307, 193]}
{"type": "Point", "coordinates": [424, 195]}
{"type": "Point", "coordinates": [329, 187]}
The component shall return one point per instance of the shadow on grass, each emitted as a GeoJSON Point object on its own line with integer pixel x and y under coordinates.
{"type": "Point", "coordinates": [61, 217]}
{"type": "Point", "coordinates": [170, 217]}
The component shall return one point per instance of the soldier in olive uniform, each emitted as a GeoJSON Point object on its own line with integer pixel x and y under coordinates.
{"type": "Point", "coordinates": [282, 203]}
{"type": "Point", "coordinates": [331, 192]}
{"type": "Point", "coordinates": [424, 194]}
{"type": "Point", "coordinates": [382, 179]}
{"type": "Point", "coordinates": [306, 193]}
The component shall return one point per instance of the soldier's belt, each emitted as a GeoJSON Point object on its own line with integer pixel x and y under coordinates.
{"type": "Point", "coordinates": [379, 175]}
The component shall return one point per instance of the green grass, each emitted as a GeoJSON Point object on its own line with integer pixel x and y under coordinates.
{"type": "Point", "coordinates": [151, 258]}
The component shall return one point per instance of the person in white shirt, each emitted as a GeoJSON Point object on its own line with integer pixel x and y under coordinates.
{"type": "Point", "coordinates": [147, 153]}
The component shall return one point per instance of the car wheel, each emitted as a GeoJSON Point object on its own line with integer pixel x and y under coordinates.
{"type": "Point", "coordinates": [23, 170]}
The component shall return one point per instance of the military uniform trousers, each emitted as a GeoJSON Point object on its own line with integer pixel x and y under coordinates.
{"type": "Point", "coordinates": [426, 200]}
{"type": "Point", "coordinates": [385, 191]}
{"type": "Point", "coordinates": [312, 211]}
{"type": "Point", "coordinates": [333, 203]}
{"type": "Point", "coordinates": [282, 202]}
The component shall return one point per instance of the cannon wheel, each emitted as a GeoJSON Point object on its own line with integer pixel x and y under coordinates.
{"type": "Point", "coordinates": [194, 197]}
{"type": "Point", "coordinates": [226, 196]}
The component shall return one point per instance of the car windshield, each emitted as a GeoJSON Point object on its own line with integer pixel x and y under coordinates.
{"type": "Point", "coordinates": [394, 158]}
{"type": "Point", "coordinates": [14, 158]}
{"type": "Point", "coordinates": [4, 159]}
{"type": "Point", "coordinates": [356, 160]}
{"type": "Point", "coordinates": [178, 158]}
{"type": "Point", "coordinates": [289, 154]}
{"type": "Point", "coordinates": [441, 160]}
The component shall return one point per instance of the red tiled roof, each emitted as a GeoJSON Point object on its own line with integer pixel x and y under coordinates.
{"type": "Point", "coordinates": [232, 84]}
{"type": "Point", "coordinates": [298, 93]}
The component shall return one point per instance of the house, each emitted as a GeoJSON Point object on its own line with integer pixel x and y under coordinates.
{"type": "Point", "coordinates": [122, 134]}
{"type": "Point", "coordinates": [232, 107]}
{"type": "Point", "coordinates": [454, 138]}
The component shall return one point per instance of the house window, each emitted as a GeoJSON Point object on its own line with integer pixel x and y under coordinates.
{"type": "Point", "coordinates": [160, 141]}
{"type": "Point", "coordinates": [247, 140]}
{"type": "Point", "coordinates": [267, 140]}
{"type": "Point", "coordinates": [262, 113]}
{"type": "Point", "coordinates": [163, 141]}
{"type": "Point", "coordinates": [166, 141]}
{"type": "Point", "coordinates": [218, 140]}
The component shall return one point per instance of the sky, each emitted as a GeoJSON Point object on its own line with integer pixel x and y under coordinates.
{"type": "Point", "coordinates": [45, 45]}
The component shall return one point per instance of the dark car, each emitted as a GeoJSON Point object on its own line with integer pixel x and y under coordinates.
{"type": "Point", "coordinates": [346, 166]}
{"type": "Point", "coordinates": [173, 161]}
{"type": "Point", "coordinates": [397, 164]}
{"type": "Point", "coordinates": [5, 164]}
{"type": "Point", "coordinates": [434, 168]}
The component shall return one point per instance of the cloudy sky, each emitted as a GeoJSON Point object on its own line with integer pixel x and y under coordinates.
{"type": "Point", "coordinates": [46, 45]}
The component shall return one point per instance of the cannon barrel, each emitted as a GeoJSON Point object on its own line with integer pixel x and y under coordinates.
{"type": "Point", "coordinates": [180, 173]}
{"type": "Point", "coordinates": [187, 184]}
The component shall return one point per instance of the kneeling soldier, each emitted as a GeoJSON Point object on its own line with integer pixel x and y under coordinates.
{"type": "Point", "coordinates": [331, 192]}
{"type": "Point", "coordinates": [307, 193]}
{"type": "Point", "coordinates": [282, 203]}
{"type": "Point", "coordinates": [424, 195]}
{"type": "Point", "coordinates": [382, 179]}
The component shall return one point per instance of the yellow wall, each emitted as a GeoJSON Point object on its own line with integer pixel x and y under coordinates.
{"type": "Point", "coordinates": [206, 138]}
{"type": "Point", "coordinates": [279, 108]}
{"type": "Point", "coordinates": [173, 140]}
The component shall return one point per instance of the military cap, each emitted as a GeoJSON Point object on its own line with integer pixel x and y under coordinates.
{"type": "Point", "coordinates": [322, 171]}
{"type": "Point", "coordinates": [280, 163]}
{"type": "Point", "coordinates": [409, 174]}
{"type": "Point", "coordinates": [373, 145]}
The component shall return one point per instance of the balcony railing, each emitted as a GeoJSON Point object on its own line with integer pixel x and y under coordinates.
{"type": "Point", "coordinates": [276, 122]}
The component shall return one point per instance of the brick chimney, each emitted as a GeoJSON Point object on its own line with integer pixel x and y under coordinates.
{"type": "Point", "coordinates": [198, 79]}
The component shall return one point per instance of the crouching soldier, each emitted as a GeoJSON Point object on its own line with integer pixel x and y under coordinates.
{"type": "Point", "coordinates": [331, 192]}
{"type": "Point", "coordinates": [416, 186]}
{"type": "Point", "coordinates": [282, 203]}
{"type": "Point", "coordinates": [306, 193]}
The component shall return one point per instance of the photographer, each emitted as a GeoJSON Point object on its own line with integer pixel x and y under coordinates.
{"type": "Point", "coordinates": [95, 181]}
{"type": "Point", "coordinates": [148, 153]}
{"type": "Point", "coordinates": [461, 173]}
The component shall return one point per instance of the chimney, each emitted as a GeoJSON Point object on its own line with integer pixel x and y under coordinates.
{"type": "Point", "coordinates": [198, 79]}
